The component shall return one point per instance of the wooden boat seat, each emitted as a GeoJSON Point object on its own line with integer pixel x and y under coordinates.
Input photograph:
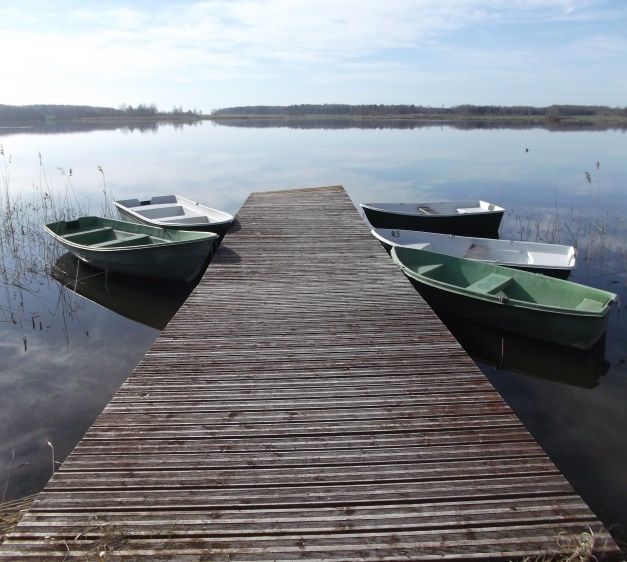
{"type": "Point", "coordinates": [133, 240]}
{"type": "Point", "coordinates": [589, 305]}
{"type": "Point", "coordinates": [491, 284]}
{"type": "Point", "coordinates": [427, 211]}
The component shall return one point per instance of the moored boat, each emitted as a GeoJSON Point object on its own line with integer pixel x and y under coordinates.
{"type": "Point", "coordinates": [517, 301]}
{"type": "Point", "coordinates": [135, 249]}
{"type": "Point", "coordinates": [550, 259]}
{"type": "Point", "coordinates": [174, 211]}
{"type": "Point", "coordinates": [467, 218]}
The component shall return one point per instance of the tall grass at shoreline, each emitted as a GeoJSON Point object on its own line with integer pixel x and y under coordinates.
{"type": "Point", "coordinates": [31, 301]}
{"type": "Point", "coordinates": [28, 254]}
{"type": "Point", "coordinates": [598, 238]}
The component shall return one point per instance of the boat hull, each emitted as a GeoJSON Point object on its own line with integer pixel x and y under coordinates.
{"type": "Point", "coordinates": [180, 264]}
{"type": "Point", "coordinates": [485, 224]}
{"type": "Point", "coordinates": [563, 329]}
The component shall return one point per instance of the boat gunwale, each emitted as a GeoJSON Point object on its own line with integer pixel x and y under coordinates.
{"type": "Point", "coordinates": [507, 301]}
{"type": "Point", "coordinates": [497, 210]}
{"type": "Point", "coordinates": [153, 222]}
{"type": "Point", "coordinates": [571, 255]}
{"type": "Point", "coordinates": [204, 237]}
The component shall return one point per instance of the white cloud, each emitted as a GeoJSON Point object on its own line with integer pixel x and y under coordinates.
{"type": "Point", "coordinates": [145, 52]}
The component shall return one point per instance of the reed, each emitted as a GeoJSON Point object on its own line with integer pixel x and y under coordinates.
{"type": "Point", "coordinates": [107, 208]}
{"type": "Point", "coordinates": [8, 478]}
{"type": "Point", "coordinates": [598, 237]}
{"type": "Point", "coordinates": [27, 257]}
{"type": "Point", "coordinates": [27, 253]}
{"type": "Point", "coordinates": [11, 513]}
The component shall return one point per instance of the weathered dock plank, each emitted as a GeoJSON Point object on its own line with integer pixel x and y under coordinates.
{"type": "Point", "coordinates": [305, 403]}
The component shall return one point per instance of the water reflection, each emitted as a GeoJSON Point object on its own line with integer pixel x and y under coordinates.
{"type": "Point", "coordinates": [148, 301]}
{"type": "Point", "coordinates": [513, 352]}
{"type": "Point", "coordinates": [57, 370]}
{"type": "Point", "coordinates": [406, 123]}
{"type": "Point", "coordinates": [55, 389]}
{"type": "Point", "coordinates": [86, 126]}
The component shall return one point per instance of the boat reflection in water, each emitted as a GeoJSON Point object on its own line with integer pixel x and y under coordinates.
{"type": "Point", "coordinates": [506, 350]}
{"type": "Point", "coordinates": [152, 302]}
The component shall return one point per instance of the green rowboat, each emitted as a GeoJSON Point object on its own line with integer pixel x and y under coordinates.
{"type": "Point", "coordinates": [135, 249]}
{"type": "Point", "coordinates": [517, 301]}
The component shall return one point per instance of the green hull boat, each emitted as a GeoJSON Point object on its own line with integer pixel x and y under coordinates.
{"type": "Point", "coordinates": [135, 249]}
{"type": "Point", "coordinates": [526, 303]}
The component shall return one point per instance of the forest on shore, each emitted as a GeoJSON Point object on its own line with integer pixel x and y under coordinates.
{"type": "Point", "coordinates": [40, 114]}
{"type": "Point", "coordinates": [45, 117]}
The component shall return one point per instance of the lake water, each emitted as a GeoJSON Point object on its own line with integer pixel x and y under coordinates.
{"type": "Point", "coordinates": [62, 356]}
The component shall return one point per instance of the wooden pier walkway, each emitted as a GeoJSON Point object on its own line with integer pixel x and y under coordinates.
{"type": "Point", "coordinates": [305, 404]}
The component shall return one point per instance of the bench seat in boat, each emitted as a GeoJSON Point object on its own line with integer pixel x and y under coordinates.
{"type": "Point", "coordinates": [491, 284]}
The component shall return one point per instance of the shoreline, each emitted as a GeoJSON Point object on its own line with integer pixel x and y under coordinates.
{"type": "Point", "coordinates": [610, 120]}
{"type": "Point", "coordinates": [400, 121]}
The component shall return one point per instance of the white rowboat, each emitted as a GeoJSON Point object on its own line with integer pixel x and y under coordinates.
{"type": "Point", "coordinates": [174, 211]}
{"type": "Point", "coordinates": [550, 259]}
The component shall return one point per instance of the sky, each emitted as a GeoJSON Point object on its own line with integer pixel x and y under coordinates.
{"type": "Point", "coordinates": [220, 53]}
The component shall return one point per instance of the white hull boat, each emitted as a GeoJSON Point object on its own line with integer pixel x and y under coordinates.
{"type": "Point", "coordinates": [174, 211]}
{"type": "Point", "coordinates": [550, 259]}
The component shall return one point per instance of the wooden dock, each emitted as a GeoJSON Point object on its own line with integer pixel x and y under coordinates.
{"type": "Point", "coordinates": [305, 404]}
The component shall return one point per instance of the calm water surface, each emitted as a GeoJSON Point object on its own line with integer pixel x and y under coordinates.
{"type": "Point", "coordinates": [62, 355]}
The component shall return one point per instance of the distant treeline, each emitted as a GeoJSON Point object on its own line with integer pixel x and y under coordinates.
{"type": "Point", "coordinates": [54, 113]}
{"type": "Point", "coordinates": [373, 110]}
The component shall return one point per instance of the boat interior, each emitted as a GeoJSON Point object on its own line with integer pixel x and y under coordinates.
{"type": "Point", "coordinates": [107, 237]}
{"type": "Point", "coordinates": [497, 251]}
{"type": "Point", "coordinates": [171, 214]}
{"type": "Point", "coordinates": [165, 209]}
{"type": "Point", "coordinates": [485, 281]}
{"type": "Point", "coordinates": [486, 253]}
{"type": "Point", "coordinates": [465, 249]}
{"type": "Point", "coordinates": [439, 208]}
